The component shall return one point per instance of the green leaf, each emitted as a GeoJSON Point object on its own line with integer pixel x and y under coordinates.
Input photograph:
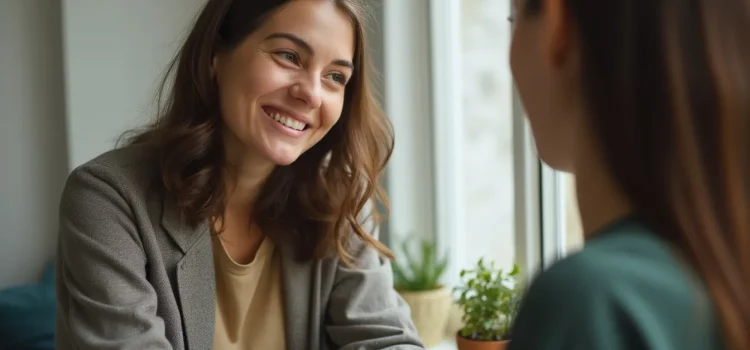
{"type": "Point", "coordinates": [515, 270]}
{"type": "Point", "coordinates": [399, 276]}
{"type": "Point", "coordinates": [420, 271]}
{"type": "Point", "coordinates": [489, 298]}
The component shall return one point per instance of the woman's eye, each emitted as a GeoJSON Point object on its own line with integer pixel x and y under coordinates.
{"type": "Point", "coordinates": [339, 78]}
{"type": "Point", "coordinates": [289, 56]}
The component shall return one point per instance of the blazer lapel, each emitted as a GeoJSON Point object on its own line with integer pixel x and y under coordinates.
{"type": "Point", "coordinates": [297, 285]}
{"type": "Point", "coordinates": [181, 233]}
{"type": "Point", "coordinates": [196, 281]}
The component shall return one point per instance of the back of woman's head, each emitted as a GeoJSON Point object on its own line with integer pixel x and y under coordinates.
{"type": "Point", "coordinates": [666, 85]}
{"type": "Point", "coordinates": [316, 201]}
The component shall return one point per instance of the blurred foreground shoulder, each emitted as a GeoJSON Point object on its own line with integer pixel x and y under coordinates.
{"type": "Point", "coordinates": [625, 291]}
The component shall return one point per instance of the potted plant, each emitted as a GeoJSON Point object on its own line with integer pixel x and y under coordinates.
{"type": "Point", "coordinates": [417, 280]}
{"type": "Point", "coordinates": [489, 299]}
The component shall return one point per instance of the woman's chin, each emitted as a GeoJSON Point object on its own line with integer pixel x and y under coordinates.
{"type": "Point", "coordinates": [285, 162]}
{"type": "Point", "coordinates": [283, 158]}
{"type": "Point", "coordinates": [557, 164]}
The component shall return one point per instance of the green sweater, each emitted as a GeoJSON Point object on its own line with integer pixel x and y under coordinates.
{"type": "Point", "coordinates": [625, 290]}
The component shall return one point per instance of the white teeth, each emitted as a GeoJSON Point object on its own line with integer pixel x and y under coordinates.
{"type": "Point", "coordinates": [289, 122]}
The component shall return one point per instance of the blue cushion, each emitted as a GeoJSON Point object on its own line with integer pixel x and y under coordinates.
{"type": "Point", "coordinates": [27, 315]}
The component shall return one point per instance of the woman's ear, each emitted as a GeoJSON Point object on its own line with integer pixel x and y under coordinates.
{"type": "Point", "coordinates": [214, 63]}
{"type": "Point", "coordinates": [556, 31]}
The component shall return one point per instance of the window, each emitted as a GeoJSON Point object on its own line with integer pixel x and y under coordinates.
{"type": "Point", "coordinates": [483, 162]}
{"type": "Point", "coordinates": [486, 134]}
{"type": "Point", "coordinates": [561, 227]}
{"type": "Point", "coordinates": [465, 171]}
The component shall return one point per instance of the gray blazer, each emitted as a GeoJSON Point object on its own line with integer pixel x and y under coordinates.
{"type": "Point", "coordinates": [131, 275]}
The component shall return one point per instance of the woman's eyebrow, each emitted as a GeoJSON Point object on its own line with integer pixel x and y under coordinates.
{"type": "Point", "coordinates": [302, 44]}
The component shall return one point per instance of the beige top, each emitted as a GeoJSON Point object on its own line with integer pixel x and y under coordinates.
{"type": "Point", "coordinates": [249, 306]}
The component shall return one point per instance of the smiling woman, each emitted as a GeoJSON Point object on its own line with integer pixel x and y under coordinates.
{"type": "Point", "coordinates": [243, 216]}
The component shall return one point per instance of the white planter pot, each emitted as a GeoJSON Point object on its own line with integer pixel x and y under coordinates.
{"type": "Point", "coordinates": [429, 311]}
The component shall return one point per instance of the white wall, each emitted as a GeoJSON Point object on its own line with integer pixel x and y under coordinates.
{"type": "Point", "coordinates": [33, 160]}
{"type": "Point", "coordinates": [74, 74]}
{"type": "Point", "coordinates": [115, 55]}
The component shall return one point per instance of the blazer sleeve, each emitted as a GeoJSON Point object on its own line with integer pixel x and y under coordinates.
{"type": "Point", "coordinates": [364, 310]}
{"type": "Point", "coordinates": [104, 299]}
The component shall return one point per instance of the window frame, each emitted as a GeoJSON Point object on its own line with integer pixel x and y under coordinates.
{"type": "Point", "coordinates": [407, 101]}
{"type": "Point", "coordinates": [421, 75]}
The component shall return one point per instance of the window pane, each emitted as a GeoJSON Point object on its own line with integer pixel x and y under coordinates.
{"type": "Point", "coordinates": [487, 168]}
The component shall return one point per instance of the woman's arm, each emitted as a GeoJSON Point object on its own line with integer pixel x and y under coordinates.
{"type": "Point", "coordinates": [364, 310]}
{"type": "Point", "coordinates": [104, 299]}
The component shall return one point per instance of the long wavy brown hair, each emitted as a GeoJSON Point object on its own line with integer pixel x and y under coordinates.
{"type": "Point", "coordinates": [668, 86]}
{"type": "Point", "coordinates": [317, 201]}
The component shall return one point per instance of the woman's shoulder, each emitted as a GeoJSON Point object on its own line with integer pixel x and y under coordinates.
{"type": "Point", "coordinates": [629, 253]}
{"type": "Point", "coordinates": [625, 263]}
{"type": "Point", "coordinates": [130, 159]}
{"type": "Point", "coordinates": [625, 280]}
{"type": "Point", "coordinates": [129, 171]}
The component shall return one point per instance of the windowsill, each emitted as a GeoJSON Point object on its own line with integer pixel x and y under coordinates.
{"type": "Point", "coordinates": [448, 344]}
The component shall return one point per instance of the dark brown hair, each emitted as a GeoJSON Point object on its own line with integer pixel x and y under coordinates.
{"type": "Point", "coordinates": [315, 201]}
{"type": "Point", "coordinates": [668, 87]}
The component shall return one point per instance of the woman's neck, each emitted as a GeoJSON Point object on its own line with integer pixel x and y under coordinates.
{"type": "Point", "coordinates": [240, 235]}
{"type": "Point", "coordinates": [243, 190]}
{"type": "Point", "coordinates": [601, 201]}
{"type": "Point", "coordinates": [245, 171]}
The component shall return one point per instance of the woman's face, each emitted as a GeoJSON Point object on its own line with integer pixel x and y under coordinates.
{"type": "Point", "coordinates": [543, 62]}
{"type": "Point", "coordinates": [282, 88]}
